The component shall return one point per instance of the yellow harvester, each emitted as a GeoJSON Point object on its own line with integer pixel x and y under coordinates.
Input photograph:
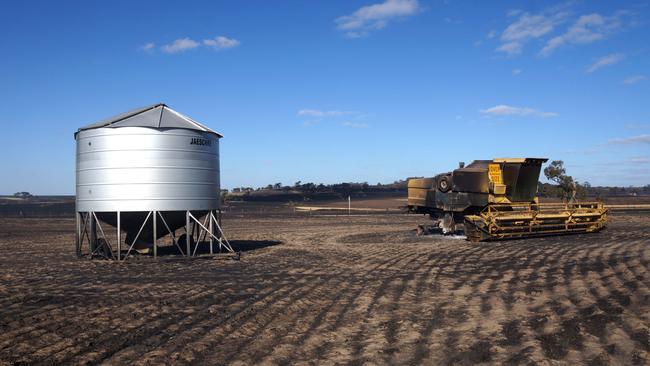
{"type": "Point", "coordinates": [497, 199]}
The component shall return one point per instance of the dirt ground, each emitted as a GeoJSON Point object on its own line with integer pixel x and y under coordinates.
{"type": "Point", "coordinates": [348, 290]}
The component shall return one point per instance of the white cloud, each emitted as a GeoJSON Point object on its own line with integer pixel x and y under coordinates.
{"type": "Point", "coordinates": [639, 160]}
{"type": "Point", "coordinates": [180, 45]}
{"type": "Point", "coordinates": [637, 126]}
{"type": "Point", "coordinates": [184, 44]}
{"type": "Point", "coordinates": [354, 124]}
{"type": "Point", "coordinates": [322, 113]}
{"type": "Point", "coordinates": [376, 16]}
{"type": "Point", "coordinates": [449, 20]}
{"type": "Point", "coordinates": [221, 43]}
{"type": "Point", "coordinates": [587, 29]}
{"type": "Point", "coordinates": [352, 119]}
{"type": "Point", "coordinates": [608, 60]}
{"type": "Point", "coordinates": [511, 48]}
{"type": "Point", "coordinates": [584, 29]}
{"type": "Point", "coordinates": [149, 47]}
{"type": "Point", "coordinates": [506, 110]}
{"type": "Point", "coordinates": [640, 139]}
{"type": "Point", "coordinates": [528, 27]}
{"type": "Point", "coordinates": [516, 72]}
{"type": "Point", "coordinates": [311, 112]}
{"type": "Point", "coordinates": [634, 79]}
{"type": "Point", "coordinates": [514, 12]}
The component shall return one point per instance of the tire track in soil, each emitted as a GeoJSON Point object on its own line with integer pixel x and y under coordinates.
{"type": "Point", "coordinates": [173, 326]}
{"type": "Point", "coordinates": [315, 324]}
{"type": "Point", "coordinates": [208, 326]}
{"type": "Point", "coordinates": [579, 299]}
{"type": "Point", "coordinates": [357, 347]}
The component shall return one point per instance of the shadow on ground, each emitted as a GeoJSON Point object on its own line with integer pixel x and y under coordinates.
{"type": "Point", "coordinates": [204, 248]}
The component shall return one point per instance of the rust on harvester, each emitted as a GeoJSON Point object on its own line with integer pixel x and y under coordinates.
{"type": "Point", "coordinates": [497, 199]}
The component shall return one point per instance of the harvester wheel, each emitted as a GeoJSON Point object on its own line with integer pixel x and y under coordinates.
{"type": "Point", "coordinates": [444, 183]}
{"type": "Point", "coordinates": [475, 230]}
{"type": "Point", "coordinates": [447, 223]}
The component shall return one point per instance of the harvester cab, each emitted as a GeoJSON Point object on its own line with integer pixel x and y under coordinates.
{"type": "Point", "coordinates": [497, 199]}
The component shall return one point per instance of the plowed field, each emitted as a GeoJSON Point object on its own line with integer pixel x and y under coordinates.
{"type": "Point", "coordinates": [328, 290]}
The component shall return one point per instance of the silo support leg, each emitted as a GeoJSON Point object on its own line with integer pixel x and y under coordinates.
{"type": "Point", "coordinates": [155, 233]}
{"type": "Point", "coordinates": [119, 237]}
{"type": "Point", "coordinates": [78, 243]}
{"type": "Point", "coordinates": [210, 215]}
{"type": "Point", "coordinates": [92, 232]}
{"type": "Point", "coordinates": [221, 239]}
{"type": "Point", "coordinates": [162, 218]}
{"type": "Point", "coordinates": [198, 233]}
{"type": "Point", "coordinates": [137, 235]}
{"type": "Point", "coordinates": [187, 231]}
{"type": "Point", "coordinates": [84, 230]}
{"type": "Point", "coordinates": [105, 244]}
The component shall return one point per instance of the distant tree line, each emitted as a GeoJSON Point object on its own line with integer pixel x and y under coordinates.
{"type": "Point", "coordinates": [320, 188]}
{"type": "Point", "coordinates": [309, 191]}
{"type": "Point", "coordinates": [567, 188]}
{"type": "Point", "coordinates": [585, 189]}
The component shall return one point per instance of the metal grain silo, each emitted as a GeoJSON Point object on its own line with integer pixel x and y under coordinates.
{"type": "Point", "coordinates": [148, 172]}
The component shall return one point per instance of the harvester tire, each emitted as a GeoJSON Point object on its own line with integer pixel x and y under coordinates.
{"type": "Point", "coordinates": [444, 183]}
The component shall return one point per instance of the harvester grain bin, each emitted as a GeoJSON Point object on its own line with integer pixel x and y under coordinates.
{"type": "Point", "coordinates": [496, 199]}
{"type": "Point", "coordinates": [147, 172]}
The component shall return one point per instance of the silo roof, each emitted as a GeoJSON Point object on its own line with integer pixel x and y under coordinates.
{"type": "Point", "coordinates": [156, 116]}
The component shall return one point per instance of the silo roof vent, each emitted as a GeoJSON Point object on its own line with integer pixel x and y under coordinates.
{"type": "Point", "coordinates": [155, 116]}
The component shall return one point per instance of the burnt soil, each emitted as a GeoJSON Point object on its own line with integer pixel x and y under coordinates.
{"type": "Point", "coordinates": [350, 290]}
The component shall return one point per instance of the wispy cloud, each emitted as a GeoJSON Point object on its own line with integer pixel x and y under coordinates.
{"type": "Point", "coordinates": [449, 20]}
{"type": "Point", "coordinates": [323, 113]}
{"type": "Point", "coordinates": [351, 119]}
{"type": "Point", "coordinates": [637, 126]}
{"type": "Point", "coordinates": [542, 26]}
{"type": "Point", "coordinates": [180, 45]}
{"type": "Point", "coordinates": [516, 72]}
{"type": "Point", "coordinates": [640, 139]}
{"type": "Point", "coordinates": [586, 29]}
{"type": "Point", "coordinates": [639, 160]}
{"type": "Point", "coordinates": [375, 17]}
{"type": "Point", "coordinates": [633, 79]}
{"type": "Point", "coordinates": [506, 110]}
{"type": "Point", "coordinates": [221, 42]}
{"type": "Point", "coordinates": [528, 27]}
{"type": "Point", "coordinates": [185, 44]}
{"type": "Point", "coordinates": [608, 60]}
{"type": "Point", "coordinates": [354, 124]}
{"type": "Point", "coordinates": [149, 47]}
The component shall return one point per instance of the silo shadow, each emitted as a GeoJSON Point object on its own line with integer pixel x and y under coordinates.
{"type": "Point", "coordinates": [204, 247]}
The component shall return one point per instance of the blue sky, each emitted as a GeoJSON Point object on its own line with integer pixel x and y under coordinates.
{"type": "Point", "coordinates": [331, 91]}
